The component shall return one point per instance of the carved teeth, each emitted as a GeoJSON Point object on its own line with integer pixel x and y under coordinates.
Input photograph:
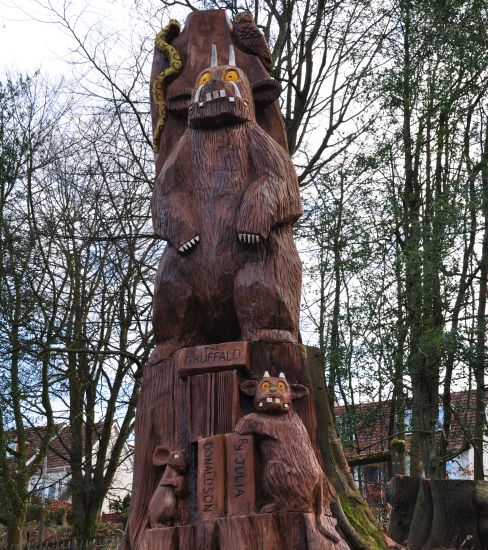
{"type": "Point", "coordinates": [269, 399]}
{"type": "Point", "coordinates": [208, 96]}
{"type": "Point", "coordinates": [197, 238]}
{"type": "Point", "coordinates": [215, 94]}
{"type": "Point", "coordinates": [200, 104]}
{"type": "Point", "coordinates": [260, 404]}
{"type": "Point", "coordinates": [277, 400]}
{"type": "Point", "coordinates": [232, 99]}
{"type": "Point", "coordinates": [181, 249]}
{"type": "Point", "coordinates": [286, 406]}
{"type": "Point", "coordinates": [222, 93]}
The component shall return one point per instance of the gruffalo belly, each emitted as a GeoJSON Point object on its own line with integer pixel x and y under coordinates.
{"type": "Point", "coordinates": [225, 201]}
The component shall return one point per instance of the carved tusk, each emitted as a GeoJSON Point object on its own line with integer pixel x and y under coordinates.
{"type": "Point", "coordinates": [197, 94]}
{"type": "Point", "coordinates": [236, 89]}
{"type": "Point", "coordinates": [213, 57]}
{"type": "Point", "coordinates": [266, 374]}
{"type": "Point", "coordinates": [282, 375]}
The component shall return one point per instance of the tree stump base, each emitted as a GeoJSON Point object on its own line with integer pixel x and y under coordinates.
{"type": "Point", "coordinates": [222, 463]}
{"type": "Point", "coordinates": [431, 513]}
{"type": "Point", "coordinates": [272, 531]}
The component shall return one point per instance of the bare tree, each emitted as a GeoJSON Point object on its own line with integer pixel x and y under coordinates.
{"type": "Point", "coordinates": [31, 113]}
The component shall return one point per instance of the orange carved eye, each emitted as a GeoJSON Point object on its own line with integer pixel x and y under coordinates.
{"type": "Point", "coordinates": [265, 386]}
{"type": "Point", "coordinates": [281, 386]}
{"type": "Point", "coordinates": [238, 17]}
{"type": "Point", "coordinates": [247, 17]}
{"type": "Point", "coordinates": [231, 75]}
{"type": "Point", "coordinates": [204, 78]}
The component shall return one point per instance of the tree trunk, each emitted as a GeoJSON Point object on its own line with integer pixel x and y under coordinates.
{"type": "Point", "coordinates": [402, 495]}
{"type": "Point", "coordinates": [15, 531]}
{"type": "Point", "coordinates": [353, 513]}
{"type": "Point", "coordinates": [480, 355]}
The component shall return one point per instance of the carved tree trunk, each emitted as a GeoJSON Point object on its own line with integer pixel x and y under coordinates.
{"type": "Point", "coordinates": [225, 313]}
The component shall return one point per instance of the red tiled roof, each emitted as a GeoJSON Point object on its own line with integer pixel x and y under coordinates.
{"type": "Point", "coordinates": [369, 423]}
{"type": "Point", "coordinates": [59, 447]}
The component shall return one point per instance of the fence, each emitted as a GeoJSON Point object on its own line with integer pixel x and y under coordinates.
{"type": "Point", "coordinates": [382, 513]}
{"type": "Point", "coordinates": [106, 543]}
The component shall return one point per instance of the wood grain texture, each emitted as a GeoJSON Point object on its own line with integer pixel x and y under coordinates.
{"type": "Point", "coordinates": [167, 503]}
{"type": "Point", "coordinates": [214, 404]}
{"type": "Point", "coordinates": [211, 477]}
{"type": "Point", "coordinates": [225, 199]}
{"type": "Point", "coordinates": [276, 531]}
{"type": "Point", "coordinates": [217, 357]}
{"type": "Point", "coordinates": [291, 476]}
{"type": "Point", "coordinates": [218, 184]}
{"type": "Point", "coordinates": [201, 29]}
{"type": "Point", "coordinates": [241, 494]}
{"type": "Point", "coordinates": [250, 39]}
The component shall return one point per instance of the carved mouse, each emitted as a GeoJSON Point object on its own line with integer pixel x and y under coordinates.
{"type": "Point", "coordinates": [164, 506]}
{"type": "Point", "coordinates": [292, 477]}
{"type": "Point", "coordinates": [225, 201]}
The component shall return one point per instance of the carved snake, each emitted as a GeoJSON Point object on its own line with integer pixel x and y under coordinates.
{"type": "Point", "coordinates": [175, 67]}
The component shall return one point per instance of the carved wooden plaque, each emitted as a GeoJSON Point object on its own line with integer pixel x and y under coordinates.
{"type": "Point", "coordinates": [241, 495]}
{"type": "Point", "coordinates": [213, 358]}
{"type": "Point", "coordinates": [211, 477]}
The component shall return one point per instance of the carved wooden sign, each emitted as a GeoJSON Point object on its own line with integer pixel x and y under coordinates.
{"type": "Point", "coordinates": [241, 497]}
{"type": "Point", "coordinates": [211, 474]}
{"type": "Point", "coordinates": [216, 357]}
{"type": "Point", "coordinates": [225, 475]}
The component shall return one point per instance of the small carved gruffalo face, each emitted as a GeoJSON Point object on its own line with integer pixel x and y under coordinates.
{"type": "Point", "coordinates": [273, 394]}
{"type": "Point", "coordinates": [222, 96]}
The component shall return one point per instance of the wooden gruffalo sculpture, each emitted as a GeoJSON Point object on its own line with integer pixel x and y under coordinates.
{"type": "Point", "coordinates": [225, 201]}
{"type": "Point", "coordinates": [165, 504]}
{"type": "Point", "coordinates": [292, 478]}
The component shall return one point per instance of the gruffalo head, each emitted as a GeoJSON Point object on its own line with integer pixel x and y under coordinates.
{"type": "Point", "coordinates": [273, 394]}
{"type": "Point", "coordinates": [222, 96]}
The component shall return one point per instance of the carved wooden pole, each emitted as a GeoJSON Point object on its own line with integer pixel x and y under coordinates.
{"type": "Point", "coordinates": [225, 452]}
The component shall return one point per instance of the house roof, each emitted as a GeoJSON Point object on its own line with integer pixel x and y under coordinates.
{"type": "Point", "coordinates": [60, 444]}
{"type": "Point", "coordinates": [364, 428]}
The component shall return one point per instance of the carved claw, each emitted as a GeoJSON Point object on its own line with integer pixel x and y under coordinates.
{"type": "Point", "coordinates": [248, 238]}
{"type": "Point", "coordinates": [186, 247]}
